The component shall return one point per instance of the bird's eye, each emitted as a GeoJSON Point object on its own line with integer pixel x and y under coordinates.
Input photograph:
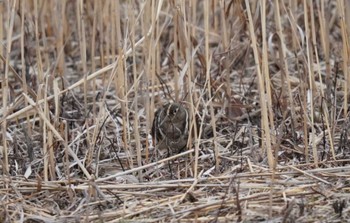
{"type": "Point", "coordinates": [173, 110]}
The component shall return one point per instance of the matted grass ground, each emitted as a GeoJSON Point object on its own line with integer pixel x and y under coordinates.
{"type": "Point", "coordinates": [266, 84]}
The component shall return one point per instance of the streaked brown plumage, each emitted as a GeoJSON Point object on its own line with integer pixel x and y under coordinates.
{"type": "Point", "coordinates": [170, 127]}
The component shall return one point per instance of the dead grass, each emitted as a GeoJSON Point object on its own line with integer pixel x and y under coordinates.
{"type": "Point", "coordinates": [265, 82]}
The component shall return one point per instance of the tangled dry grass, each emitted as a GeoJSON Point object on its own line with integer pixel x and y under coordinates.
{"type": "Point", "coordinates": [266, 84]}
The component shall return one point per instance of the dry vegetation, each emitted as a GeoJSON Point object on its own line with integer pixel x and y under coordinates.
{"type": "Point", "coordinates": [265, 82]}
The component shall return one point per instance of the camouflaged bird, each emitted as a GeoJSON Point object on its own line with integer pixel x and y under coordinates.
{"type": "Point", "coordinates": [170, 128]}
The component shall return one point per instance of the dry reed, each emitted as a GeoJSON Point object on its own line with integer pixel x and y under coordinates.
{"type": "Point", "coordinates": [265, 83]}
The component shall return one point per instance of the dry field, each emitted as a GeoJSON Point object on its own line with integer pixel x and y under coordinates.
{"type": "Point", "coordinates": [266, 84]}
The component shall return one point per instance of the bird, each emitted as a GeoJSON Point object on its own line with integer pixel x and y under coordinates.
{"type": "Point", "coordinates": [170, 128]}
